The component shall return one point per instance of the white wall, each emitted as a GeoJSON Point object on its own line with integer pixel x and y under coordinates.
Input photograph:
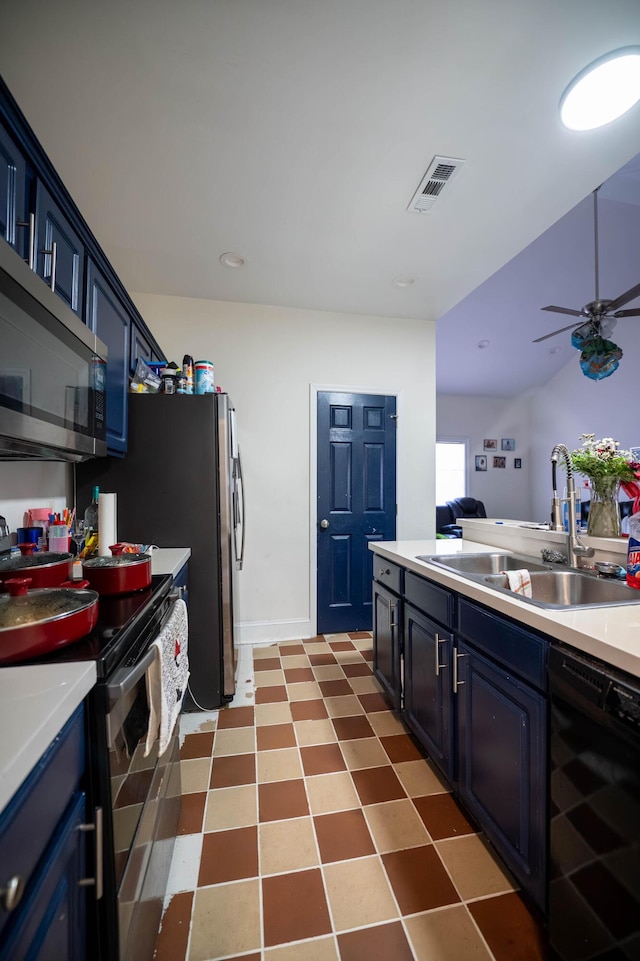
{"type": "Point", "coordinates": [26, 484]}
{"type": "Point", "coordinates": [505, 492]}
{"type": "Point", "coordinates": [268, 359]}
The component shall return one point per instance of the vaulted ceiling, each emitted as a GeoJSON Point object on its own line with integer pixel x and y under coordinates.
{"type": "Point", "coordinates": [295, 133]}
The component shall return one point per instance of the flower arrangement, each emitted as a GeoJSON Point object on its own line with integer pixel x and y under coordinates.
{"type": "Point", "coordinates": [608, 468]}
{"type": "Point", "coordinates": [603, 458]}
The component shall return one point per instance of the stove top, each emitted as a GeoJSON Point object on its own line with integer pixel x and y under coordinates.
{"type": "Point", "coordinates": [121, 630]}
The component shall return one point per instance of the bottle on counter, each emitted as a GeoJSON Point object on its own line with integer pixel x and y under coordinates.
{"type": "Point", "coordinates": [181, 382]}
{"type": "Point", "coordinates": [189, 373]}
{"type": "Point", "coordinates": [633, 552]}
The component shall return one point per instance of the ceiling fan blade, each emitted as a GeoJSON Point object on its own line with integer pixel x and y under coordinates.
{"type": "Point", "coordinates": [634, 312]}
{"type": "Point", "coordinates": [564, 310]}
{"type": "Point", "coordinates": [553, 333]}
{"type": "Point", "coordinates": [624, 298]}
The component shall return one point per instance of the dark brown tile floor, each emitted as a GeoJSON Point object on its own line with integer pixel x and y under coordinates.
{"type": "Point", "coordinates": [314, 830]}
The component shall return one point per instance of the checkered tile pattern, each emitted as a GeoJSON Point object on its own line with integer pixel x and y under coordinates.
{"type": "Point", "coordinates": [313, 829]}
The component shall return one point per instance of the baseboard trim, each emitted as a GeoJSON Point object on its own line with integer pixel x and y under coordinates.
{"type": "Point", "coordinates": [272, 632]}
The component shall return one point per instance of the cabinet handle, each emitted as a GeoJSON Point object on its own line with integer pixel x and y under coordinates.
{"type": "Point", "coordinates": [392, 609]}
{"type": "Point", "coordinates": [439, 666]}
{"type": "Point", "coordinates": [53, 253]}
{"type": "Point", "coordinates": [31, 224]}
{"type": "Point", "coordinates": [11, 895]}
{"type": "Point", "coordinates": [96, 881]}
{"type": "Point", "coordinates": [382, 573]}
{"type": "Point", "coordinates": [456, 682]}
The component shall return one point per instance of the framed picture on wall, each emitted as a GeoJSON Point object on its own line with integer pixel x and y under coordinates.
{"type": "Point", "coordinates": [499, 461]}
{"type": "Point", "coordinates": [489, 444]}
{"type": "Point", "coordinates": [507, 443]}
{"type": "Point", "coordinates": [481, 462]}
{"type": "Point", "coordinates": [517, 462]}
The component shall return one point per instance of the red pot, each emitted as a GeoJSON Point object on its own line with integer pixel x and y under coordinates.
{"type": "Point", "coordinates": [118, 575]}
{"type": "Point", "coordinates": [46, 569]}
{"type": "Point", "coordinates": [37, 622]}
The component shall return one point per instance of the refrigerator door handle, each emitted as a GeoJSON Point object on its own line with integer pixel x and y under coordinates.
{"type": "Point", "coordinates": [240, 558]}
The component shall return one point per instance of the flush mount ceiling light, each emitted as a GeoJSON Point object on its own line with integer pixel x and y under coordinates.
{"type": "Point", "coordinates": [402, 281]}
{"type": "Point", "coordinates": [603, 91]}
{"type": "Point", "coordinates": [232, 260]}
{"type": "Point", "coordinates": [555, 350]}
{"type": "Point", "coordinates": [482, 344]}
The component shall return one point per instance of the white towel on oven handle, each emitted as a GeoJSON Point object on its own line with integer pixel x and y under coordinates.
{"type": "Point", "coordinates": [167, 677]}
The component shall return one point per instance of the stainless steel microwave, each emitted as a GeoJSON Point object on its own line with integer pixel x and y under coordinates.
{"type": "Point", "coordinates": [52, 372]}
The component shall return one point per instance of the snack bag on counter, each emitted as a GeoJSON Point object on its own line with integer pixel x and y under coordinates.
{"type": "Point", "coordinates": [90, 545]}
{"type": "Point", "coordinates": [144, 380]}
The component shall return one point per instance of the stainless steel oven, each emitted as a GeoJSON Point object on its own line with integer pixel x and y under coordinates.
{"type": "Point", "coordinates": [145, 809]}
{"type": "Point", "coordinates": [139, 796]}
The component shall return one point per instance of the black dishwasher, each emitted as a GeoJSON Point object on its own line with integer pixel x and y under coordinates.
{"type": "Point", "coordinates": [594, 878]}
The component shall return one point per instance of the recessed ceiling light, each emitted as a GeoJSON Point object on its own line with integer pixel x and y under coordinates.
{"type": "Point", "coordinates": [603, 91]}
{"type": "Point", "coordinates": [232, 260]}
{"type": "Point", "coordinates": [482, 344]}
{"type": "Point", "coordinates": [402, 281]}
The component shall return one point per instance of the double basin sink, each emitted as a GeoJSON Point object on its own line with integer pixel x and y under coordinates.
{"type": "Point", "coordinates": [552, 587]}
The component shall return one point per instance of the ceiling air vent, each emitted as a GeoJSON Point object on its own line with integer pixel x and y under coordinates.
{"type": "Point", "coordinates": [441, 172]}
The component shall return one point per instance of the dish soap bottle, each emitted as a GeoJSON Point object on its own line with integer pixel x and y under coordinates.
{"type": "Point", "coordinates": [91, 525]}
{"type": "Point", "coordinates": [633, 552]}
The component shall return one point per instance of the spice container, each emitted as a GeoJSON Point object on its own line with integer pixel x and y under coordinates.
{"type": "Point", "coordinates": [168, 377]}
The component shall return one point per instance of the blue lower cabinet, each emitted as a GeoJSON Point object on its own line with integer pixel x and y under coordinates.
{"type": "Point", "coordinates": [51, 925]}
{"type": "Point", "coordinates": [108, 318]}
{"type": "Point", "coordinates": [428, 694]}
{"type": "Point", "coordinates": [502, 777]}
{"type": "Point", "coordinates": [43, 856]}
{"type": "Point", "coordinates": [387, 642]}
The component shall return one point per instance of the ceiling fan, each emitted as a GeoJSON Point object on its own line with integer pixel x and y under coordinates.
{"type": "Point", "coordinates": [598, 312]}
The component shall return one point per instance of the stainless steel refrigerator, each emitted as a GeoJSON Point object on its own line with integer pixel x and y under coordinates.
{"type": "Point", "coordinates": [180, 485]}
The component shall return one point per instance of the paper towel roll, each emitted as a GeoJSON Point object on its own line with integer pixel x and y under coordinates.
{"type": "Point", "coordinates": [107, 523]}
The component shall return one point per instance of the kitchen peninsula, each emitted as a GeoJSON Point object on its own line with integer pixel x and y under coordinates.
{"type": "Point", "coordinates": [468, 667]}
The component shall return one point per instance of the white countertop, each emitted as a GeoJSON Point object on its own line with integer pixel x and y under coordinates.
{"type": "Point", "coordinates": [609, 633]}
{"type": "Point", "coordinates": [36, 701]}
{"type": "Point", "coordinates": [169, 560]}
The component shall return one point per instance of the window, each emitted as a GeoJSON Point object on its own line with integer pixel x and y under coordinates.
{"type": "Point", "coordinates": [451, 470]}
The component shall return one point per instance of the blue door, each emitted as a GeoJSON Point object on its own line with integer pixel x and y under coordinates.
{"type": "Point", "coordinates": [356, 503]}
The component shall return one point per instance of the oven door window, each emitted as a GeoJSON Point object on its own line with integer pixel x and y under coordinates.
{"type": "Point", "coordinates": [131, 772]}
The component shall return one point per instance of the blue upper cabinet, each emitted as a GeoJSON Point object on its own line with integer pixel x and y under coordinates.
{"type": "Point", "coordinates": [12, 193]}
{"type": "Point", "coordinates": [38, 216]}
{"type": "Point", "coordinates": [59, 251]}
{"type": "Point", "coordinates": [108, 318]}
{"type": "Point", "coordinates": [140, 348]}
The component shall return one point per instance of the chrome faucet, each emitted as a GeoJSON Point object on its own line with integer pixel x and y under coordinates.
{"type": "Point", "coordinates": [576, 548]}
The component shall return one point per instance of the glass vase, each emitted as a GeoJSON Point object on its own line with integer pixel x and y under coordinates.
{"type": "Point", "coordinates": [604, 511]}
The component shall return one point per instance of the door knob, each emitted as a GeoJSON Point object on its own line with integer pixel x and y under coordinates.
{"type": "Point", "coordinates": [324, 524]}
